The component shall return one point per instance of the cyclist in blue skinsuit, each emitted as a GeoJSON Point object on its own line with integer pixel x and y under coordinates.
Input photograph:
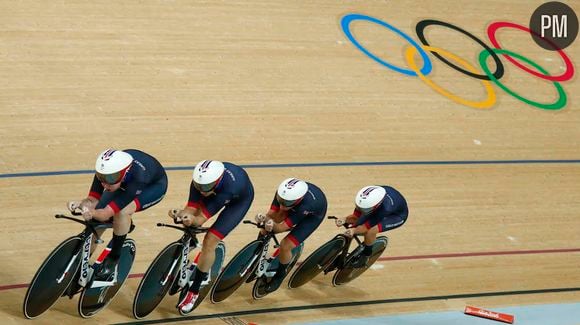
{"type": "Point", "coordinates": [298, 207]}
{"type": "Point", "coordinates": [215, 185]}
{"type": "Point", "coordinates": [377, 209]}
{"type": "Point", "coordinates": [125, 182]}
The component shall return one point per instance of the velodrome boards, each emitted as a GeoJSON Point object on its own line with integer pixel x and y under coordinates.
{"type": "Point", "coordinates": [278, 87]}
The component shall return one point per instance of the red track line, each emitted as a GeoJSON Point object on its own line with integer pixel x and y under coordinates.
{"type": "Point", "coordinates": [14, 286]}
{"type": "Point", "coordinates": [537, 251]}
{"type": "Point", "coordinates": [397, 258]}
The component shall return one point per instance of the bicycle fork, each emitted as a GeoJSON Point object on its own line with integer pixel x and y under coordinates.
{"type": "Point", "coordinates": [184, 272]}
{"type": "Point", "coordinates": [86, 271]}
{"type": "Point", "coordinates": [265, 263]}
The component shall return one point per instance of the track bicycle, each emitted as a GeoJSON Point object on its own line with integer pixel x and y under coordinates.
{"type": "Point", "coordinates": [170, 272]}
{"type": "Point", "coordinates": [67, 271]}
{"type": "Point", "coordinates": [333, 256]}
{"type": "Point", "coordinates": [249, 264]}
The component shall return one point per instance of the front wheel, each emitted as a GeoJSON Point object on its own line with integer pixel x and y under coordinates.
{"type": "Point", "coordinates": [93, 300]}
{"type": "Point", "coordinates": [348, 273]}
{"type": "Point", "coordinates": [157, 280]}
{"type": "Point", "coordinates": [52, 278]}
{"type": "Point", "coordinates": [240, 267]}
{"type": "Point", "coordinates": [317, 262]}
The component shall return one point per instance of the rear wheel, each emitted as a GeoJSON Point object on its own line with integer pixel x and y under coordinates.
{"type": "Point", "coordinates": [259, 290]}
{"type": "Point", "coordinates": [348, 273]}
{"type": "Point", "coordinates": [93, 300]}
{"type": "Point", "coordinates": [317, 262]}
{"type": "Point", "coordinates": [240, 267]}
{"type": "Point", "coordinates": [157, 280]}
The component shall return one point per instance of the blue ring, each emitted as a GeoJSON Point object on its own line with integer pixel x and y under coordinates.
{"type": "Point", "coordinates": [345, 24]}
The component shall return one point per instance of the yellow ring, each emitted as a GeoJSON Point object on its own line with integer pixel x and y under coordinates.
{"type": "Point", "coordinates": [487, 103]}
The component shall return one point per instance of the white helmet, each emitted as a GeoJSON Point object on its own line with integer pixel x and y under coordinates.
{"type": "Point", "coordinates": [291, 191]}
{"type": "Point", "coordinates": [369, 198]}
{"type": "Point", "coordinates": [207, 174]}
{"type": "Point", "coordinates": [112, 165]}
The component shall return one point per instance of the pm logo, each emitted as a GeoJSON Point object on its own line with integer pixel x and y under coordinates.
{"type": "Point", "coordinates": [556, 23]}
{"type": "Point", "coordinates": [425, 49]}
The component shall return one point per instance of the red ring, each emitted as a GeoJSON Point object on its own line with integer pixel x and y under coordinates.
{"type": "Point", "coordinates": [491, 30]}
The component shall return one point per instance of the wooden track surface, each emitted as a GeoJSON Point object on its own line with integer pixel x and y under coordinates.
{"type": "Point", "coordinates": [278, 83]}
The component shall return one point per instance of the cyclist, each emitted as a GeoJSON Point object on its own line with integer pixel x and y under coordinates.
{"type": "Point", "coordinates": [298, 207]}
{"type": "Point", "coordinates": [377, 209]}
{"type": "Point", "coordinates": [125, 182]}
{"type": "Point", "coordinates": [215, 185]}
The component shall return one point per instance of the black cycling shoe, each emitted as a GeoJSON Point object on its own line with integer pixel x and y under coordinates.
{"type": "Point", "coordinates": [274, 284]}
{"type": "Point", "coordinates": [360, 261]}
{"type": "Point", "coordinates": [106, 271]}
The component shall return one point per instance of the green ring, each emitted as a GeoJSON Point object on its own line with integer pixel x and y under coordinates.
{"type": "Point", "coordinates": [560, 103]}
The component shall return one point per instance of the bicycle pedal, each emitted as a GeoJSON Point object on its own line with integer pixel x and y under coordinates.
{"type": "Point", "coordinates": [100, 284]}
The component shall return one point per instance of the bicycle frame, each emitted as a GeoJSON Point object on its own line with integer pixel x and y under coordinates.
{"type": "Point", "coordinates": [341, 258]}
{"type": "Point", "coordinates": [183, 274]}
{"type": "Point", "coordinates": [264, 262]}
{"type": "Point", "coordinates": [185, 270]}
{"type": "Point", "coordinates": [86, 271]}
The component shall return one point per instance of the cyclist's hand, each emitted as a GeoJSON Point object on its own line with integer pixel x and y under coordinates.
{"type": "Point", "coordinates": [173, 214]}
{"type": "Point", "coordinates": [187, 220]}
{"type": "Point", "coordinates": [260, 218]}
{"type": "Point", "coordinates": [73, 206]}
{"type": "Point", "coordinates": [185, 217]}
{"type": "Point", "coordinates": [87, 213]}
{"type": "Point", "coordinates": [269, 225]}
{"type": "Point", "coordinates": [339, 222]}
{"type": "Point", "coordinates": [349, 232]}
{"type": "Point", "coordinates": [76, 207]}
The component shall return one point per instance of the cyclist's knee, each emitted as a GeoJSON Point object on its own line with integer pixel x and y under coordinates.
{"type": "Point", "coordinates": [373, 231]}
{"type": "Point", "coordinates": [287, 245]}
{"type": "Point", "coordinates": [128, 210]}
{"type": "Point", "coordinates": [211, 241]}
{"type": "Point", "coordinates": [370, 236]}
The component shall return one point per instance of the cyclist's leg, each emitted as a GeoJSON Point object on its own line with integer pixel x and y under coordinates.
{"type": "Point", "coordinates": [296, 236]}
{"type": "Point", "coordinates": [370, 236]}
{"type": "Point", "coordinates": [393, 222]}
{"type": "Point", "coordinates": [228, 219]}
{"type": "Point", "coordinates": [104, 200]}
{"type": "Point", "coordinates": [150, 196]}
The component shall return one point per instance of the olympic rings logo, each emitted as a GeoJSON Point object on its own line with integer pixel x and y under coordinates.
{"type": "Point", "coordinates": [461, 65]}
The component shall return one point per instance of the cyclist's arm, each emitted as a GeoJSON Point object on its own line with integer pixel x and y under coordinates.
{"type": "Point", "coordinates": [276, 215]}
{"type": "Point", "coordinates": [104, 214]}
{"type": "Point", "coordinates": [280, 227]}
{"type": "Point", "coordinates": [196, 206]}
{"type": "Point", "coordinates": [94, 195]}
{"type": "Point", "coordinates": [362, 229]}
{"type": "Point", "coordinates": [89, 202]}
{"type": "Point", "coordinates": [198, 217]}
{"type": "Point", "coordinates": [351, 218]}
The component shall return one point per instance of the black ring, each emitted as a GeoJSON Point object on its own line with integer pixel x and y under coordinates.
{"type": "Point", "coordinates": [428, 22]}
